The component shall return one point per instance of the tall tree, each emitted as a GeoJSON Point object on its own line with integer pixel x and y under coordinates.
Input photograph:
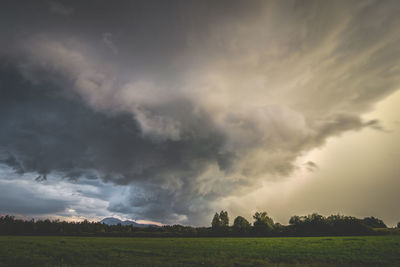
{"type": "Point", "coordinates": [263, 223]}
{"type": "Point", "coordinates": [223, 216]}
{"type": "Point", "coordinates": [216, 222]}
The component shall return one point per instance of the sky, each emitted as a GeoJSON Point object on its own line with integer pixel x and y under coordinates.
{"type": "Point", "coordinates": [168, 111]}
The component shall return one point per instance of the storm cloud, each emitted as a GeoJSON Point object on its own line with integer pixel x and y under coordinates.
{"type": "Point", "coordinates": [187, 102]}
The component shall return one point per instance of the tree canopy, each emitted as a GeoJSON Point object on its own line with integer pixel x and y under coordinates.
{"type": "Point", "coordinates": [241, 225]}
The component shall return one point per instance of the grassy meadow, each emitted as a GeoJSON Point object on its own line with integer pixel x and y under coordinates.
{"type": "Point", "coordinates": [289, 251]}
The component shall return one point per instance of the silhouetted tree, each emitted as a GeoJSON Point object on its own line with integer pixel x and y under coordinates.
{"type": "Point", "coordinates": [374, 222]}
{"type": "Point", "coordinates": [224, 219]}
{"type": "Point", "coordinates": [216, 222]}
{"type": "Point", "coordinates": [262, 223]}
{"type": "Point", "coordinates": [241, 225]}
{"type": "Point", "coordinates": [315, 224]}
{"type": "Point", "coordinates": [220, 223]}
{"type": "Point", "coordinates": [295, 220]}
{"type": "Point", "coordinates": [309, 225]}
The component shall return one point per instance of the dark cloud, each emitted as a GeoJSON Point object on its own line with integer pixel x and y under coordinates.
{"type": "Point", "coordinates": [44, 132]}
{"type": "Point", "coordinates": [17, 199]}
{"type": "Point", "coordinates": [58, 8]}
{"type": "Point", "coordinates": [187, 102]}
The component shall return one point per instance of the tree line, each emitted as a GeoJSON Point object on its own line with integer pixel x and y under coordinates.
{"type": "Point", "coordinates": [309, 225]}
{"type": "Point", "coordinates": [262, 226]}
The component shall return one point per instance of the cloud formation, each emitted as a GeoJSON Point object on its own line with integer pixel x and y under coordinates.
{"type": "Point", "coordinates": [59, 9]}
{"type": "Point", "coordinates": [188, 110]}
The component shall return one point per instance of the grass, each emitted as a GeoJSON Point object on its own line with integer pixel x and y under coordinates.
{"type": "Point", "coordinates": [100, 251]}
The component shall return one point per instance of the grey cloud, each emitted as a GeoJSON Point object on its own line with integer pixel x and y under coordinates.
{"type": "Point", "coordinates": [45, 132]}
{"type": "Point", "coordinates": [311, 166]}
{"type": "Point", "coordinates": [58, 8]}
{"type": "Point", "coordinates": [11, 161]}
{"type": "Point", "coordinates": [199, 101]}
{"type": "Point", "coordinates": [340, 123]}
{"type": "Point", "coordinates": [108, 41]}
{"type": "Point", "coordinates": [55, 197]}
{"type": "Point", "coordinates": [16, 198]}
{"type": "Point", "coordinates": [57, 134]}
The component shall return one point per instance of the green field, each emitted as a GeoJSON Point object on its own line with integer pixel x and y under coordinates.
{"type": "Point", "coordinates": [99, 251]}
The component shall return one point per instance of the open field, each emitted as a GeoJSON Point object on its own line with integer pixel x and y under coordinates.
{"type": "Point", "coordinates": [295, 251]}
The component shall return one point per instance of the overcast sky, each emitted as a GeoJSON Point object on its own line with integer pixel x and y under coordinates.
{"type": "Point", "coordinates": [168, 111]}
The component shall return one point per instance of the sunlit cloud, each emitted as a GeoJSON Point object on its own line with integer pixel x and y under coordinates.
{"type": "Point", "coordinates": [184, 115]}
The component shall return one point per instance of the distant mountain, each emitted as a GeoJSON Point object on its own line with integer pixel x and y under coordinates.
{"type": "Point", "coordinates": [115, 221]}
